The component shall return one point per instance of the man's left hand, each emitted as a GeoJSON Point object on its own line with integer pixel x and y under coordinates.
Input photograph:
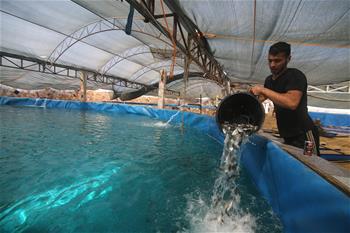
{"type": "Point", "coordinates": [257, 90]}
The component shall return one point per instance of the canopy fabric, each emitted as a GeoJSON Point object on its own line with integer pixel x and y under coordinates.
{"type": "Point", "coordinates": [241, 32]}
{"type": "Point", "coordinates": [91, 35]}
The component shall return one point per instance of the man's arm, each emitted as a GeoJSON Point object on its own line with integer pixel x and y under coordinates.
{"type": "Point", "coordinates": [260, 97]}
{"type": "Point", "coordinates": [290, 99]}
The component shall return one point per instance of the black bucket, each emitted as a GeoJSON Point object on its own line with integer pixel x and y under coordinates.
{"type": "Point", "coordinates": [240, 108]}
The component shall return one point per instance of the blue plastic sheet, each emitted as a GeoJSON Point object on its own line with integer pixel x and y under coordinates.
{"type": "Point", "coordinates": [303, 200]}
{"type": "Point", "coordinates": [335, 157]}
{"type": "Point", "coordinates": [201, 122]}
{"type": "Point", "coordinates": [329, 119]}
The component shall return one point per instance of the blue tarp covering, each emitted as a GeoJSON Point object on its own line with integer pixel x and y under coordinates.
{"type": "Point", "coordinates": [200, 122]}
{"type": "Point", "coordinates": [303, 200]}
{"type": "Point", "coordinates": [329, 119]}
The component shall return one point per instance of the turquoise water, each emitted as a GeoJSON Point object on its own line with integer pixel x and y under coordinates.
{"type": "Point", "coordinates": [85, 171]}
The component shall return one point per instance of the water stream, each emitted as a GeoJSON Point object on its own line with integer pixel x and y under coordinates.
{"type": "Point", "coordinates": [172, 117]}
{"type": "Point", "coordinates": [166, 124]}
{"type": "Point", "coordinates": [223, 213]}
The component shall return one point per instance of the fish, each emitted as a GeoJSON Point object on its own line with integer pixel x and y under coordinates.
{"type": "Point", "coordinates": [228, 207]}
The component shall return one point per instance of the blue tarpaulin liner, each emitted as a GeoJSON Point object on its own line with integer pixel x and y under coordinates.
{"type": "Point", "coordinates": [200, 122]}
{"type": "Point", "coordinates": [329, 119]}
{"type": "Point", "coordinates": [335, 157]}
{"type": "Point", "coordinates": [303, 200]}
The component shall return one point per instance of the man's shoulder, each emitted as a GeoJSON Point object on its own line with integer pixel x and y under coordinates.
{"type": "Point", "coordinates": [294, 72]}
{"type": "Point", "coordinates": [268, 81]}
{"type": "Point", "coordinates": [268, 78]}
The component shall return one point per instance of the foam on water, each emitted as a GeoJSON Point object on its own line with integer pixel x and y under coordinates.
{"type": "Point", "coordinates": [206, 217]}
{"type": "Point", "coordinates": [222, 213]}
{"type": "Point", "coordinates": [159, 124]}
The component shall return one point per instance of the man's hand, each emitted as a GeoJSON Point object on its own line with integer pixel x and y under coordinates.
{"type": "Point", "coordinates": [256, 90]}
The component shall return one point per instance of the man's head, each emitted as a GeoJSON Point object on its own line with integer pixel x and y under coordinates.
{"type": "Point", "coordinates": [279, 56]}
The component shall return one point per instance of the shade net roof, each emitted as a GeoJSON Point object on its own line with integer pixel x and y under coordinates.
{"type": "Point", "coordinates": [91, 34]}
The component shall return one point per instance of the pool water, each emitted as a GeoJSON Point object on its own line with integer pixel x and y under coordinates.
{"type": "Point", "coordinates": [86, 171]}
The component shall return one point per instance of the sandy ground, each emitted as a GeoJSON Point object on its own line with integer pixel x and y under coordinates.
{"type": "Point", "coordinates": [336, 145]}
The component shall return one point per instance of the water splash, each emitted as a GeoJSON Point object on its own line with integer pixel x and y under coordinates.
{"type": "Point", "coordinates": [36, 102]}
{"type": "Point", "coordinates": [163, 124]}
{"type": "Point", "coordinates": [44, 103]}
{"type": "Point", "coordinates": [160, 124]}
{"type": "Point", "coordinates": [41, 103]}
{"type": "Point", "coordinates": [172, 117]}
{"type": "Point", "coordinates": [222, 213]}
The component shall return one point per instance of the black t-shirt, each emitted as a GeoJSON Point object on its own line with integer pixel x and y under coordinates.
{"type": "Point", "coordinates": [291, 123]}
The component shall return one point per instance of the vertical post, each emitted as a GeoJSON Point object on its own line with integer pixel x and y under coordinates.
{"type": "Point", "coordinates": [223, 92]}
{"type": "Point", "coordinates": [187, 63]}
{"type": "Point", "coordinates": [200, 104]}
{"type": "Point", "coordinates": [161, 89]}
{"type": "Point", "coordinates": [228, 88]}
{"type": "Point", "coordinates": [82, 91]}
{"type": "Point", "coordinates": [185, 77]}
{"type": "Point", "coordinates": [175, 27]}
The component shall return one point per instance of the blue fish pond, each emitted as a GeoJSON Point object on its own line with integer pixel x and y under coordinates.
{"type": "Point", "coordinates": [86, 171]}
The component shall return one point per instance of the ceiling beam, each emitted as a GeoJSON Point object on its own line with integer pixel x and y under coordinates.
{"type": "Point", "coordinates": [197, 48]}
{"type": "Point", "coordinates": [37, 65]}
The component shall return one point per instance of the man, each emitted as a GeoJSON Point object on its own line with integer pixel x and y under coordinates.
{"type": "Point", "coordinates": [286, 88]}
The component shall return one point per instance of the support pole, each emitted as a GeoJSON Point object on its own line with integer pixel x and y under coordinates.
{"type": "Point", "coordinates": [185, 79]}
{"type": "Point", "coordinates": [161, 89]}
{"type": "Point", "coordinates": [200, 104]}
{"type": "Point", "coordinates": [83, 81]}
{"type": "Point", "coordinates": [185, 75]}
{"type": "Point", "coordinates": [228, 91]}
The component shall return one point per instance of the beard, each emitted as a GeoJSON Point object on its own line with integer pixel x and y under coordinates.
{"type": "Point", "coordinates": [278, 72]}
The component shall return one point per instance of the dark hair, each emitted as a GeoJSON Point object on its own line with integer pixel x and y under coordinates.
{"type": "Point", "coordinates": [280, 47]}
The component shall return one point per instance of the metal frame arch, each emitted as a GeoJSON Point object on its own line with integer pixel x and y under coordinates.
{"type": "Point", "coordinates": [144, 49]}
{"type": "Point", "coordinates": [88, 30]}
{"type": "Point", "coordinates": [191, 86]}
{"type": "Point", "coordinates": [147, 69]}
{"type": "Point", "coordinates": [197, 85]}
{"type": "Point", "coordinates": [194, 78]}
{"type": "Point", "coordinates": [123, 56]}
{"type": "Point", "coordinates": [178, 85]}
